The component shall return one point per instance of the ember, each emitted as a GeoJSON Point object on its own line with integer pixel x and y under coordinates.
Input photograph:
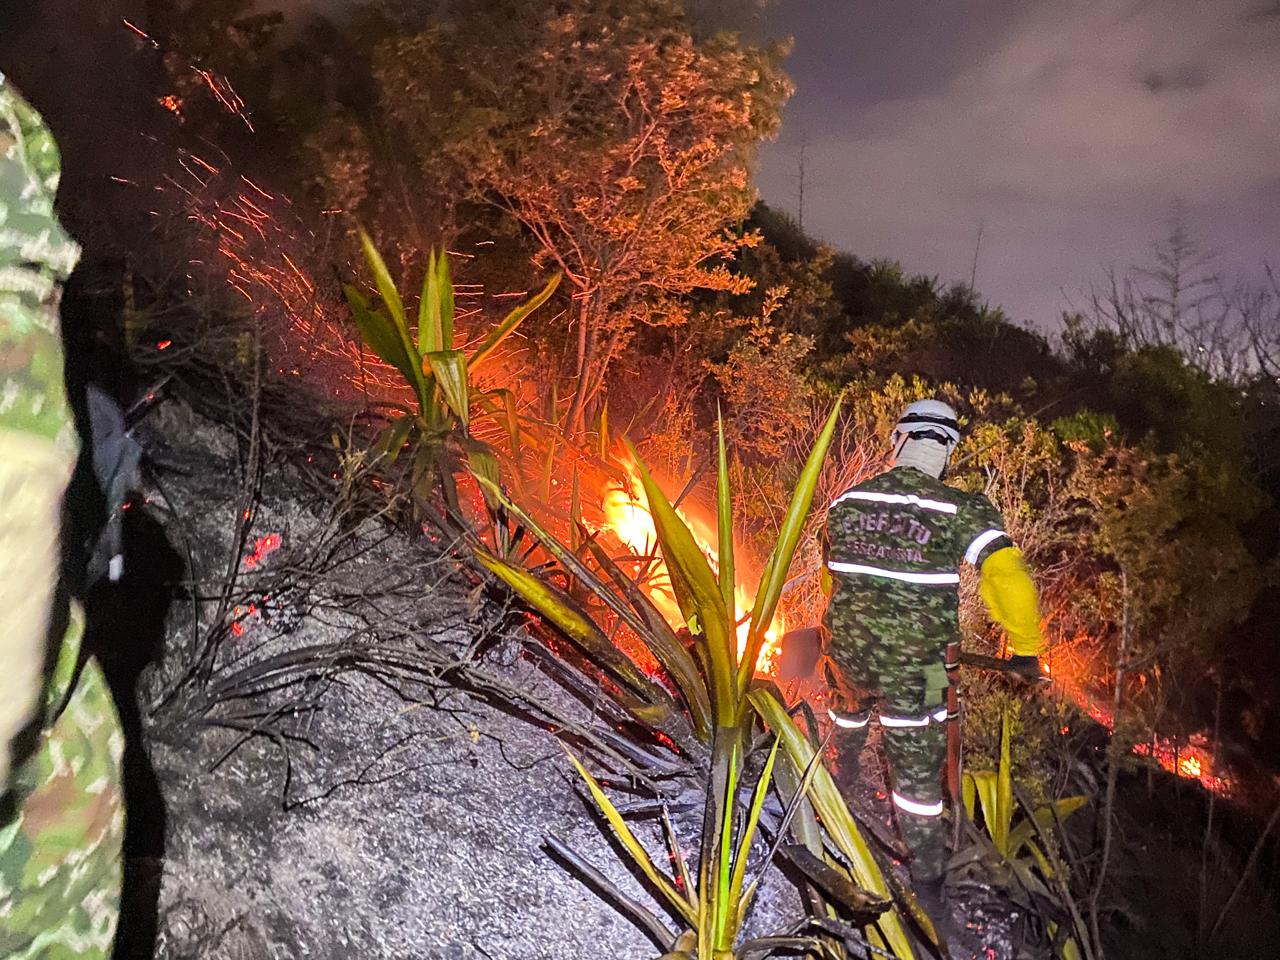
{"type": "Point", "coordinates": [263, 547]}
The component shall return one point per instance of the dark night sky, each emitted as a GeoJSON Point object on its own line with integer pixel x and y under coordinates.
{"type": "Point", "coordinates": [1074, 131]}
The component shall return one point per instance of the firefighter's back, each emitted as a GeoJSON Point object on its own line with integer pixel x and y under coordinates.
{"type": "Point", "coordinates": [895, 545]}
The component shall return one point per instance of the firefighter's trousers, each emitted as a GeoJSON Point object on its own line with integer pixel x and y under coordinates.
{"type": "Point", "coordinates": [911, 711]}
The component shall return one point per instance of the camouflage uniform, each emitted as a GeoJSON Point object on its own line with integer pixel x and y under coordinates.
{"type": "Point", "coordinates": [894, 546]}
{"type": "Point", "coordinates": [61, 819]}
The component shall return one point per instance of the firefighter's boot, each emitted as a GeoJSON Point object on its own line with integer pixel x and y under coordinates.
{"type": "Point", "coordinates": [931, 894]}
{"type": "Point", "coordinates": [849, 737]}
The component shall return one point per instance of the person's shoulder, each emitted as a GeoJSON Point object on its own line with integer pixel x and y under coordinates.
{"type": "Point", "coordinates": [978, 508]}
{"type": "Point", "coordinates": [26, 139]}
{"type": "Point", "coordinates": [972, 498]}
{"type": "Point", "coordinates": [912, 481]}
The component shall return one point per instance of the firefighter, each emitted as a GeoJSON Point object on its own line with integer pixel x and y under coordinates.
{"type": "Point", "coordinates": [894, 545]}
{"type": "Point", "coordinates": [61, 801]}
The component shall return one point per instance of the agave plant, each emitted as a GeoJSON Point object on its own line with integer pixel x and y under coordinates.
{"type": "Point", "coordinates": [438, 427]}
{"type": "Point", "coordinates": [1024, 866]}
{"type": "Point", "coordinates": [712, 710]}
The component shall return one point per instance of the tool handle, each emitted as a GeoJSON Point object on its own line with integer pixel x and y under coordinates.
{"type": "Point", "coordinates": [954, 657]}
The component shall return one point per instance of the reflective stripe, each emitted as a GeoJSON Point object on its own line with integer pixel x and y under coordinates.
{"type": "Point", "coordinates": [914, 806]}
{"type": "Point", "coordinates": [847, 723]}
{"type": "Point", "coordinates": [906, 575]}
{"type": "Point", "coordinates": [937, 716]}
{"type": "Point", "coordinates": [938, 506]}
{"type": "Point", "coordinates": [980, 541]}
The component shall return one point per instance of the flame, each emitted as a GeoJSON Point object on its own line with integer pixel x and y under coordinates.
{"type": "Point", "coordinates": [1190, 759]}
{"type": "Point", "coordinates": [630, 521]}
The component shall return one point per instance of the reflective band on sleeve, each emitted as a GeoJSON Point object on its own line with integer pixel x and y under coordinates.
{"type": "Point", "coordinates": [980, 541]}
{"type": "Point", "coordinates": [846, 722]}
{"type": "Point", "coordinates": [914, 806]}
{"type": "Point", "coordinates": [906, 575]}
{"type": "Point", "coordinates": [939, 715]}
{"type": "Point", "coordinates": [904, 721]}
{"type": "Point", "coordinates": [938, 506]}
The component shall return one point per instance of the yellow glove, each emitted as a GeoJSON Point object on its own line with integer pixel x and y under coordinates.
{"type": "Point", "coordinates": [1011, 598]}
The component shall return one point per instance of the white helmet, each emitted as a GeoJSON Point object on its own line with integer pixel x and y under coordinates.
{"type": "Point", "coordinates": [928, 420]}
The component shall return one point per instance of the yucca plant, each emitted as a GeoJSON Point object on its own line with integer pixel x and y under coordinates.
{"type": "Point", "coordinates": [1020, 862]}
{"type": "Point", "coordinates": [711, 712]}
{"type": "Point", "coordinates": [437, 429]}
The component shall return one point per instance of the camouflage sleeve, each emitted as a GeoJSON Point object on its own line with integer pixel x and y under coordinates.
{"type": "Point", "coordinates": [982, 530]}
{"type": "Point", "coordinates": [37, 437]}
{"type": "Point", "coordinates": [36, 258]}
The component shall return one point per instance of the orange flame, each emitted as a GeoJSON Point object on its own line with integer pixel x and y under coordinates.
{"type": "Point", "coordinates": [1191, 759]}
{"type": "Point", "coordinates": [630, 521]}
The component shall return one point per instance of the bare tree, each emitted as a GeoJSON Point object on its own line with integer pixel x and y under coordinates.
{"type": "Point", "coordinates": [802, 180]}
{"type": "Point", "coordinates": [1178, 300]}
{"type": "Point", "coordinates": [1259, 308]}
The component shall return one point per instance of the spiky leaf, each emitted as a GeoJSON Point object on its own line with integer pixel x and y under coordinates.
{"type": "Point", "coordinates": [736, 902]}
{"type": "Point", "coordinates": [634, 847]}
{"type": "Point", "coordinates": [382, 279]}
{"type": "Point", "coordinates": [391, 441]}
{"type": "Point", "coordinates": [1046, 817]}
{"type": "Point", "coordinates": [429, 310]}
{"type": "Point", "coordinates": [1004, 790]}
{"type": "Point", "coordinates": [558, 607]}
{"type": "Point", "coordinates": [662, 643]}
{"type": "Point", "coordinates": [380, 335]}
{"type": "Point", "coordinates": [450, 370]}
{"type": "Point", "coordinates": [836, 818]}
{"type": "Point", "coordinates": [724, 518]}
{"type": "Point", "coordinates": [775, 570]}
{"type": "Point", "coordinates": [444, 283]}
{"type": "Point", "coordinates": [697, 593]}
{"type": "Point", "coordinates": [511, 321]}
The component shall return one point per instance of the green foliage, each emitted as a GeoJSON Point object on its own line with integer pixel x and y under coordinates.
{"type": "Point", "coordinates": [1181, 406]}
{"type": "Point", "coordinates": [438, 430]}
{"type": "Point", "coordinates": [1119, 532]}
{"type": "Point", "coordinates": [717, 906]}
{"type": "Point", "coordinates": [1086, 427]}
{"type": "Point", "coordinates": [1172, 527]}
{"type": "Point", "coordinates": [1035, 724]}
{"type": "Point", "coordinates": [1028, 871]}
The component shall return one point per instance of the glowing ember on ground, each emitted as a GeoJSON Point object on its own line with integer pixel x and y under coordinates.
{"type": "Point", "coordinates": [628, 519]}
{"type": "Point", "coordinates": [263, 547]}
{"type": "Point", "coordinates": [1191, 760]}
{"type": "Point", "coordinates": [243, 616]}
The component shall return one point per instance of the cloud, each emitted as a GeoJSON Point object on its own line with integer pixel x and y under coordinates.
{"type": "Point", "coordinates": [1071, 129]}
